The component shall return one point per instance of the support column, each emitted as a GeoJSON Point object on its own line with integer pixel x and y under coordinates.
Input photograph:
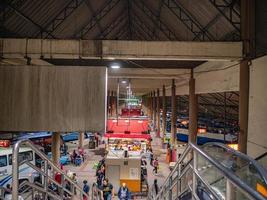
{"type": "Point", "coordinates": [81, 139]}
{"type": "Point", "coordinates": [112, 106]}
{"type": "Point", "coordinates": [55, 147]}
{"type": "Point", "coordinates": [192, 110]}
{"type": "Point", "coordinates": [150, 106]}
{"type": "Point", "coordinates": [243, 105]}
{"type": "Point", "coordinates": [248, 38]}
{"type": "Point", "coordinates": [173, 117]}
{"type": "Point", "coordinates": [164, 112]}
{"type": "Point", "coordinates": [158, 114]}
{"type": "Point", "coordinates": [108, 103]}
{"type": "Point", "coordinates": [154, 110]}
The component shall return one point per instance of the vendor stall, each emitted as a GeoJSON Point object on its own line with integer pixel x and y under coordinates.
{"type": "Point", "coordinates": [130, 142]}
{"type": "Point", "coordinates": [122, 167]}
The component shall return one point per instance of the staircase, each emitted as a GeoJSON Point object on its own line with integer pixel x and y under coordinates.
{"type": "Point", "coordinates": [46, 187]}
{"type": "Point", "coordinates": [214, 171]}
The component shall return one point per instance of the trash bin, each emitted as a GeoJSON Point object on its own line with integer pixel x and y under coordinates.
{"type": "Point", "coordinates": [92, 144]}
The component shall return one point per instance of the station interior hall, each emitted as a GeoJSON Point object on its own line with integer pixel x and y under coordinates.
{"type": "Point", "coordinates": [133, 99]}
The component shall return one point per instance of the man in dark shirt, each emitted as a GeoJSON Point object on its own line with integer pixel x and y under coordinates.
{"type": "Point", "coordinates": [156, 187]}
{"type": "Point", "coordinates": [107, 189]}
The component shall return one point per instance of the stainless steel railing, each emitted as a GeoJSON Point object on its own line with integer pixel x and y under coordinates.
{"type": "Point", "coordinates": [75, 190]}
{"type": "Point", "coordinates": [187, 178]}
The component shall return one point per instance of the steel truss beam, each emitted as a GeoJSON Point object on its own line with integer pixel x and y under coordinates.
{"type": "Point", "coordinates": [60, 18]}
{"type": "Point", "coordinates": [129, 18]}
{"type": "Point", "coordinates": [96, 18]}
{"type": "Point", "coordinates": [120, 19]}
{"type": "Point", "coordinates": [88, 3]}
{"type": "Point", "coordinates": [28, 19]}
{"type": "Point", "coordinates": [121, 31]}
{"type": "Point", "coordinates": [141, 31]}
{"type": "Point", "coordinates": [17, 5]}
{"type": "Point", "coordinates": [192, 24]}
{"type": "Point", "coordinates": [155, 30]}
{"type": "Point", "coordinates": [5, 14]}
{"type": "Point", "coordinates": [217, 112]}
{"type": "Point", "coordinates": [161, 26]}
{"type": "Point", "coordinates": [210, 24]}
{"type": "Point", "coordinates": [144, 27]}
{"type": "Point", "coordinates": [229, 12]}
{"type": "Point", "coordinates": [124, 35]}
{"type": "Point", "coordinates": [139, 35]}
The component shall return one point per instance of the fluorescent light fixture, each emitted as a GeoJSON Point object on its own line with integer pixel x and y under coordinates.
{"type": "Point", "coordinates": [115, 66]}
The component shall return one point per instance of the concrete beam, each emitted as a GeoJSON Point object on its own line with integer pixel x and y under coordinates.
{"type": "Point", "coordinates": [172, 50]}
{"type": "Point", "coordinates": [148, 73]}
{"type": "Point", "coordinates": [113, 49]}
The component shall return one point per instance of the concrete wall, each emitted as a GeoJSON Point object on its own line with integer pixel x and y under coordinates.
{"type": "Point", "coordinates": [257, 126]}
{"type": "Point", "coordinates": [211, 77]}
{"type": "Point", "coordinates": [50, 98]}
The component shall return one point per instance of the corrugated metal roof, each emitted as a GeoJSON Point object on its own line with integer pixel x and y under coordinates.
{"type": "Point", "coordinates": [26, 18]}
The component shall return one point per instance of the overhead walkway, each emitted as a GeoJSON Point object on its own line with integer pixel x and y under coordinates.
{"type": "Point", "coordinates": [214, 171]}
{"type": "Point", "coordinates": [47, 187]}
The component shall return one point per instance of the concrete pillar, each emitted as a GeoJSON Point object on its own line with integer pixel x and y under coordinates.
{"type": "Point", "coordinates": [111, 103]}
{"type": "Point", "coordinates": [81, 139]}
{"type": "Point", "coordinates": [55, 147]}
{"type": "Point", "coordinates": [243, 105]}
{"type": "Point", "coordinates": [248, 38]}
{"type": "Point", "coordinates": [158, 114]}
{"type": "Point", "coordinates": [192, 110]}
{"type": "Point", "coordinates": [108, 102]}
{"type": "Point", "coordinates": [173, 117]}
{"type": "Point", "coordinates": [164, 111]}
{"type": "Point", "coordinates": [151, 106]}
{"type": "Point", "coordinates": [154, 109]}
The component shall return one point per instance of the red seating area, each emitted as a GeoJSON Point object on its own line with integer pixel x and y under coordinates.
{"type": "Point", "coordinates": [127, 126]}
{"type": "Point", "coordinates": [130, 112]}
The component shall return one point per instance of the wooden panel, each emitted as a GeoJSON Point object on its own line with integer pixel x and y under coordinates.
{"type": "Point", "coordinates": [133, 185]}
{"type": "Point", "coordinates": [51, 98]}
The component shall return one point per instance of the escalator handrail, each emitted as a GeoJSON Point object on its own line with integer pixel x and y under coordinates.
{"type": "Point", "coordinates": [232, 177]}
{"type": "Point", "coordinates": [175, 168]}
{"type": "Point", "coordinates": [16, 164]}
{"type": "Point", "coordinates": [229, 175]}
{"type": "Point", "coordinates": [261, 156]}
{"type": "Point", "coordinates": [239, 154]}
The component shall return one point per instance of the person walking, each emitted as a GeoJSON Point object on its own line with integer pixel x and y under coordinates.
{"type": "Point", "coordinates": [155, 165]}
{"type": "Point", "coordinates": [156, 187]}
{"type": "Point", "coordinates": [100, 178]}
{"type": "Point", "coordinates": [108, 190]}
{"type": "Point", "coordinates": [86, 189]}
{"type": "Point", "coordinates": [124, 193]}
{"type": "Point", "coordinates": [151, 157]}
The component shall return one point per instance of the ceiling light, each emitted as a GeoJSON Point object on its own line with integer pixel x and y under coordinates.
{"type": "Point", "coordinates": [123, 81]}
{"type": "Point", "coordinates": [115, 66]}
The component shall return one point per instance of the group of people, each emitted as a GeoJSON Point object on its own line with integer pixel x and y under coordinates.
{"type": "Point", "coordinates": [77, 157]}
{"type": "Point", "coordinates": [106, 188]}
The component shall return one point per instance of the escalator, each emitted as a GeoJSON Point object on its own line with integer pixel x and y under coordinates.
{"type": "Point", "coordinates": [52, 184]}
{"type": "Point", "coordinates": [215, 171]}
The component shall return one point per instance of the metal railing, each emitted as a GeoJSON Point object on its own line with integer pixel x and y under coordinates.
{"type": "Point", "coordinates": [188, 178]}
{"type": "Point", "coordinates": [46, 177]}
{"type": "Point", "coordinates": [96, 192]}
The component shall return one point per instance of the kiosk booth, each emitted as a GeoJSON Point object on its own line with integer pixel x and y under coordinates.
{"type": "Point", "coordinates": [123, 161]}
